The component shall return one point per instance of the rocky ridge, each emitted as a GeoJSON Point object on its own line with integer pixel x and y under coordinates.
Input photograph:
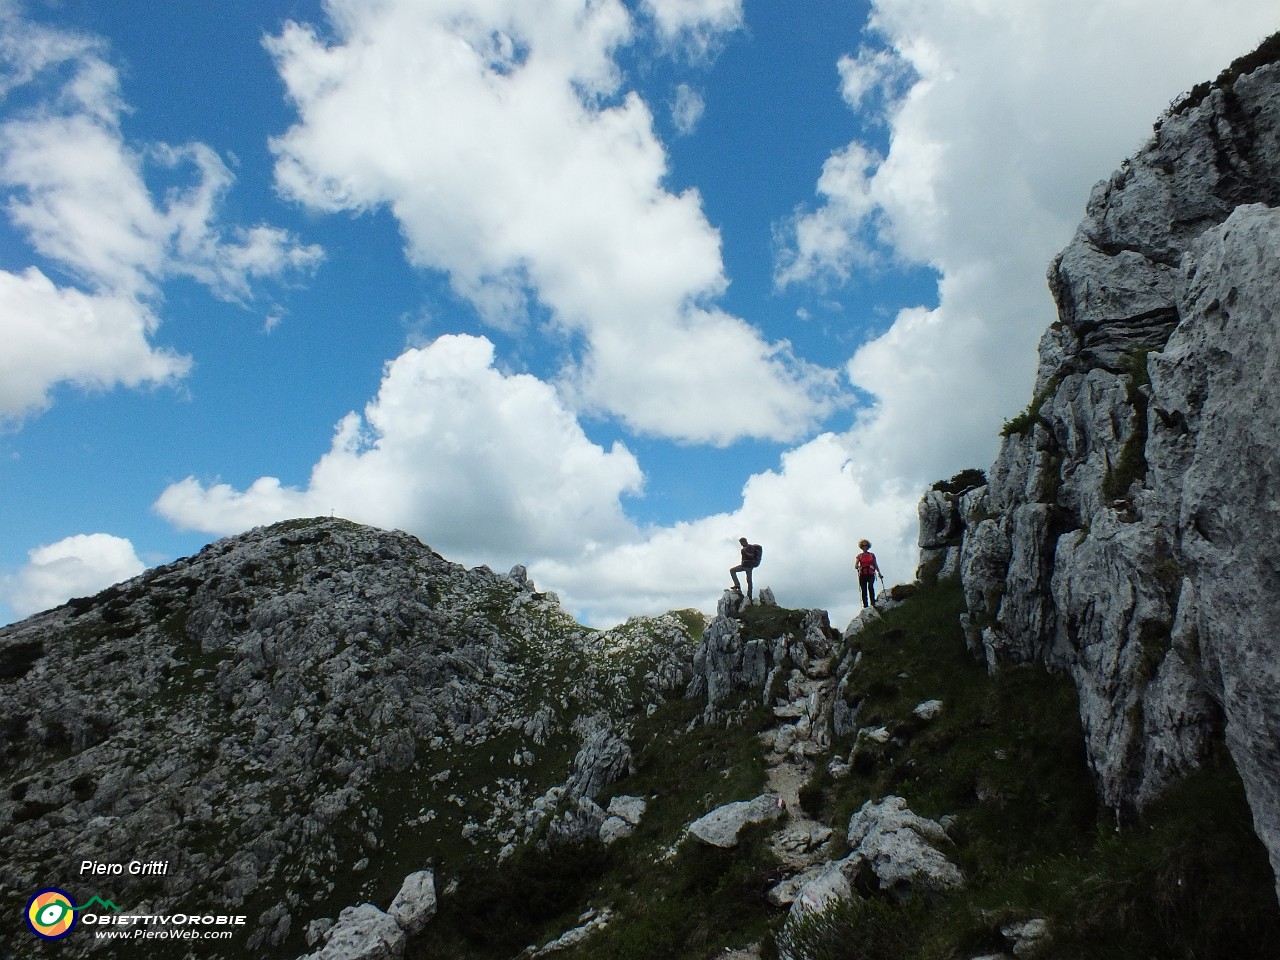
{"type": "Point", "coordinates": [297, 704]}
{"type": "Point", "coordinates": [1129, 533]}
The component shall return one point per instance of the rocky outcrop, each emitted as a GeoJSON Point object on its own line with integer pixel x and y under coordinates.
{"type": "Point", "coordinates": [300, 717]}
{"type": "Point", "coordinates": [894, 851]}
{"type": "Point", "coordinates": [362, 933]}
{"type": "Point", "coordinates": [1129, 532]}
{"type": "Point", "coordinates": [723, 826]}
{"type": "Point", "coordinates": [415, 904]}
{"type": "Point", "coordinates": [902, 849]}
{"type": "Point", "coordinates": [727, 660]}
{"type": "Point", "coordinates": [737, 655]}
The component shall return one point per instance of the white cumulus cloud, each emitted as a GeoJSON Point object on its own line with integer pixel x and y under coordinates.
{"type": "Point", "coordinates": [697, 25]}
{"type": "Point", "coordinates": [76, 188]}
{"type": "Point", "coordinates": [482, 465]}
{"type": "Point", "coordinates": [77, 566]}
{"type": "Point", "coordinates": [687, 109]}
{"type": "Point", "coordinates": [501, 138]}
{"type": "Point", "coordinates": [1006, 114]}
{"type": "Point", "coordinates": [58, 334]}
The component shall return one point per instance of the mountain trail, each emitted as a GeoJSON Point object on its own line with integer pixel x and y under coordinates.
{"type": "Point", "coordinates": [791, 749]}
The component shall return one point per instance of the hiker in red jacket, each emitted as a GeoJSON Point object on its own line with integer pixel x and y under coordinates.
{"type": "Point", "coordinates": [867, 570]}
{"type": "Point", "coordinates": [752, 553]}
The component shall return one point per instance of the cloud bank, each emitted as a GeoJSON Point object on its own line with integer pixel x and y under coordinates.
{"type": "Point", "coordinates": [517, 162]}
{"type": "Point", "coordinates": [482, 464]}
{"type": "Point", "coordinates": [77, 566]}
{"type": "Point", "coordinates": [77, 189]}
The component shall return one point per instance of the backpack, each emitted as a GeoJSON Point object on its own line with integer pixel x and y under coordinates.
{"type": "Point", "coordinates": [866, 564]}
{"type": "Point", "coordinates": [753, 554]}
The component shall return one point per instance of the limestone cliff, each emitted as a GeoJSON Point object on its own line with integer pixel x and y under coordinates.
{"type": "Point", "coordinates": [1130, 529]}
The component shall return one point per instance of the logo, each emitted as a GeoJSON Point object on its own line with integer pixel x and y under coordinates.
{"type": "Point", "coordinates": [51, 914]}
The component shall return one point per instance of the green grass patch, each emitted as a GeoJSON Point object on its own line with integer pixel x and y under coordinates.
{"type": "Point", "coordinates": [1024, 422]}
{"type": "Point", "coordinates": [1192, 882]}
{"type": "Point", "coordinates": [768, 622]}
{"type": "Point", "coordinates": [697, 904]}
{"type": "Point", "coordinates": [1006, 754]}
{"type": "Point", "coordinates": [672, 902]}
{"type": "Point", "coordinates": [1005, 759]}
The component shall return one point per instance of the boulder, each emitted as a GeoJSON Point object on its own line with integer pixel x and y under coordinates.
{"type": "Point", "coordinates": [415, 904]}
{"type": "Point", "coordinates": [614, 829]}
{"type": "Point", "coordinates": [630, 809]}
{"type": "Point", "coordinates": [901, 848]}
{"type": "Point", "coordinates": [362, 933]}
{"type": "Point", "coordinates": [829, 886]}
{"type": "Point", "coordinates": [929, 710]}
{"type": "Point", "coordinates": [722, 826]}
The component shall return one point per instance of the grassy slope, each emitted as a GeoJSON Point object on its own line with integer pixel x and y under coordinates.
{"type": "Point", "coordinates": [1005, 759]}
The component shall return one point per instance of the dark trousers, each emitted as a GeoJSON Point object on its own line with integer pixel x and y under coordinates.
{"type": "Point", "coordinates": [867, 581]}
{"type": "Point", "coordinates": [741, 568]}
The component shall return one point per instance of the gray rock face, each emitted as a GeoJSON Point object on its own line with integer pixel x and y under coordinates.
{"type": "Point", "coordinates": [723, 826]}
{"type": "Point", "coordinates": [730, 658]}
{"type": "Point", "coordinates": [1129, 530]}
{"type": "Point", "coordinates": [1215, 460]}
{"type": "Point", "coordinates": [415, 904]}
{"type": "Point", "coordinates": [362, 933]}
{"type": "Point", "coordinates": [603, 758]}
{"type": "Point", "coordinates": [901, 847]}
{"type": "Point", "coordinates": [300, 700]}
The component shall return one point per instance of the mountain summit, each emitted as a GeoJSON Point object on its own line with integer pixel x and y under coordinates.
{"type": "Point", "coordinates": [258, 716]}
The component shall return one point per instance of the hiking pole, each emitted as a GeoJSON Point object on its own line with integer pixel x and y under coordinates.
{"type": "Point", "coordinates": [883, 588]}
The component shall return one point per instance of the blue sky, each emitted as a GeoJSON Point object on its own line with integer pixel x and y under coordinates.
{"type": "Point", "coordinates": [596, 287]}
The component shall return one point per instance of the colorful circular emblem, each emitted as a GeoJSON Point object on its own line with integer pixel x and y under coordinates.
{"type": "Point", "coordinates": [51, 914]}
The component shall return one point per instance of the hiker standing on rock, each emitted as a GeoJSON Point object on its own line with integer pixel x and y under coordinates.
{"type": "Point", "coordinates": [752, 554]}
{"type": "Point", "coordinates": [867, 570]}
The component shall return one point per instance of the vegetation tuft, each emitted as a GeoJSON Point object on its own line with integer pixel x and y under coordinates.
{"type": "Point", "coordinates": [1022, 424]}
{"type": "Point", "coordinates": [962, 482]}
{"type": "Point", "coordinates": [1131, 466]}
{"type": "Point", "coordinates": [1265, 53]}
